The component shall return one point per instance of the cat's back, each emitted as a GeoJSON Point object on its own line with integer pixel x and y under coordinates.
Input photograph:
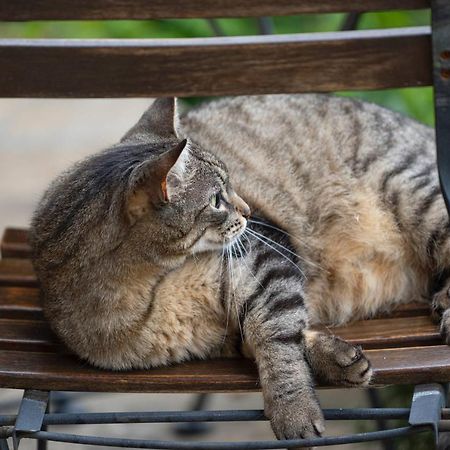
{"type": "Point", "coordinates": [300, 146]}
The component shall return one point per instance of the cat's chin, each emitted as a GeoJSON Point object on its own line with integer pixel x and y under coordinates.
{"type": "Point", "coordinates": [206, 245]}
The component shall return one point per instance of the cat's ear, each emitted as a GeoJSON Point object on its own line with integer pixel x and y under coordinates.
{"type": "Point", "coordinates": [158, 124]}
{"type": "Point", "coordinates": [156, 182]}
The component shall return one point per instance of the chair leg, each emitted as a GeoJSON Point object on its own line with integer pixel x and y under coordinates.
{"type": "Point", "coordinates": [195, 428]}
{"type": "Point", "coordinates": [351, 21]}
{"type": "Point", "coordinates": [42, 445]}
{"type": "Point", "coordinates": [31, 414]}
{"type": "Point", "coordinates": [376, 402]}
{"type": "Point", "coordinates": [444, 438]}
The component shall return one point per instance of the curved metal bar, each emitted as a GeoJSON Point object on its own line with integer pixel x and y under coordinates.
{"type": "Point", "coordinates": [204, 416]}
{"type": "Point", "coordinates": [243, 445]}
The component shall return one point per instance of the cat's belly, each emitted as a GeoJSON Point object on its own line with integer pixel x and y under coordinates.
{"type": "Point", "coordinates": [367, 266]}
{"type": "Point", "coordinates": [362, 289]}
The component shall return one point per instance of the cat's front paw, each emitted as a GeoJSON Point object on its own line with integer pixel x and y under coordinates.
{"type": "Point", "coordinates": [300, 419]}
{"type": "Point", "coordinates": [335, 361]}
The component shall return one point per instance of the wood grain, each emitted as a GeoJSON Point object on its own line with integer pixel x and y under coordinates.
{"type": "Point", "coordinates": [411, 365]}
{"type": "Point", "coordinates": [20, 303]}
{"type": "Point", "coordinates": [159, 9]}
{"type": "Point", "coordinates": [17, 273]}
{"type": "Point", "coordinates": [63, 372]}
{"type": "Point", "coordinates": [52, 371]}
{"type": "Point", "coordinates": [15, 244]}
{"type": "Point", "coordinates": [392, 332]}
{"type": "Point", "coordinates": [32, 333]}
{"type": "Point", "coordinates": [369, 59]}
{"type": "Point", "coordinates": [27, 335]}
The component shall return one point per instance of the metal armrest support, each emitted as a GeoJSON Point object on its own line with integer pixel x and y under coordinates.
{"type": "Point", "coordinates": [31, 414]}
{"type": "Point", "coordinates": [440, 10]}
{"type": "Point", "coordinates": [426, 406]}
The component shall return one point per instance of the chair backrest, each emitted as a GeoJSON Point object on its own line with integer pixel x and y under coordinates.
{"type": "Point", "coordinates": [369, 59]}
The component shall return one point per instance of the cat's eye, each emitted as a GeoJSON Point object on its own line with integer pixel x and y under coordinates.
{"type": "Point", "coordinates": [214, 201]}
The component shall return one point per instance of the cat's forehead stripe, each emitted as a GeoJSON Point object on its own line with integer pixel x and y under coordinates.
{"type": "Point", "coordinates": [222, 174]}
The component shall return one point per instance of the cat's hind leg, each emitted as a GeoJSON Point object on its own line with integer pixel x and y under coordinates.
{"type": "Point", "coordinates": [334, 361]}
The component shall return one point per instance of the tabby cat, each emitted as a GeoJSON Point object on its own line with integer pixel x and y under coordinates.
{"type": "Point", "coordinates": [236, 228]}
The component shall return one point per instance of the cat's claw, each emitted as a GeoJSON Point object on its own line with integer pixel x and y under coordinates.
{"type": "Point", "coordinates": [337, 362]}
{"type": "Point", "coordinates": [298, 420]}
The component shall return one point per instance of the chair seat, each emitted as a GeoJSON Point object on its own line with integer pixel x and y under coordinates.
{"type": "Point", "coordinates": [404, 347]}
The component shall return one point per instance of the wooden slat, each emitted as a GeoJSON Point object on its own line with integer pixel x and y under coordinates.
{"type": "Point", "coordinates": [20, 303]}
{"type": "Point", "coordinates": [369, 59]}
{"type": "Point", "coordinates": [32, 357]}
{"type": "Point", "coordinates": [411, 365]}
{"type": "Point", "coordinates": [392, 332]}
{"type": "Point", "coordinates": [24, 303]}
{"type": "Point", "coordinates": [58, 372]}
{"type": "Point", "coordinates": [407, 310]}
{"type": "Point", "coordinates": [15, 243]}
{"type": "Point", "coordinates": [158, 9]}
{"type": "Point", "coordinates": [51, 371]}
{"type": "Point", "coordinates": [27, 335]}
{"type": "Point", "coordinates": [402, 330]}
{"type": "Point", "coordinates": [17, 273]}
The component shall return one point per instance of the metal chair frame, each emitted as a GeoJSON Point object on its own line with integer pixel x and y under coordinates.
{"type": "Point", "coordinates": [427, 413]}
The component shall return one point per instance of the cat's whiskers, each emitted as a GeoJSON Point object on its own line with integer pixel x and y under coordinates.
{"type": "Point", "coordinates": [195, 259]}
{"type": "Point", "coordinates": [303, 243]}
{"type": "Point", "coordinates": [245, 261]}
{"type": "Point", "coordinates": [230, 284]}
{"type": "Point", "coordinates": [264, 224]}
{"type": "Point", "coordinates": [233, 277]}
{"type": "Point", "coordinates": [287, 250]}
{"type": "Point", "coordinates": [263, 236]}
{"type": "Point", "coordinates": [248, 240]}
{"type": "Point", "coordinates": [259, 238]}
{"type": "Point", "coordinates": [244, 254]}
{"type": "Point", "coordinates": [222, 256]}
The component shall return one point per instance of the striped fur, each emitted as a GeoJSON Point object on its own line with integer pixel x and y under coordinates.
{"type": "Point", "coordinates": [141, 264]}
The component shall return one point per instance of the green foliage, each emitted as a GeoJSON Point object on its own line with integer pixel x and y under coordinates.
{"type": "Point", "coordinates": [414, 102]}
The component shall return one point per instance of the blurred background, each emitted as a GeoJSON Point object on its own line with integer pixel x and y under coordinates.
{"type": "Point", "coordinates": [39, 138]}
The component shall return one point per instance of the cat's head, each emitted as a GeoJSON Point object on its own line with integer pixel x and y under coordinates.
{"type": "Point", "coordinates": [156, 195]}
{"type": "Point", "coordinates": [181, 197]}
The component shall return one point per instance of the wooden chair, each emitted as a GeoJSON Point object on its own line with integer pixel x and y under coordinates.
{"type": "Point", "coordinates": [404, 348]}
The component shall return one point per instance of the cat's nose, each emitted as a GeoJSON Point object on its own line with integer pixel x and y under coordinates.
{"type": "Point", "coordinates": [239, 205]}
{"type": "Point", "coordinates": [244, 209]}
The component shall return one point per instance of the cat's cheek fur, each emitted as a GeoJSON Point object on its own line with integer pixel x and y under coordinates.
{"type": "Point", "coordinates": [210, 240]}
